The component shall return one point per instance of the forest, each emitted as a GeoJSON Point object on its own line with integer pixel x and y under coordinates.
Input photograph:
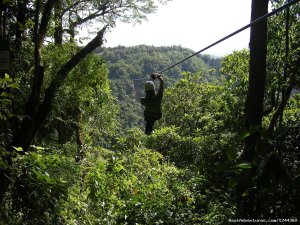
{"type": "Point", "coordinates": [130, 67]}
{"type": "Point", "coordinates": [72, 144]}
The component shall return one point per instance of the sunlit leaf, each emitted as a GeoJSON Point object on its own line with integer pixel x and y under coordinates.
{"type": "Point", "coordinates": [18, 149]}
{"type": "Point", "coordinates": [244, 166]}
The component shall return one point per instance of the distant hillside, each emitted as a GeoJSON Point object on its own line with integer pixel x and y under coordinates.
{"type": "Point", "coordinates": [129, 67]}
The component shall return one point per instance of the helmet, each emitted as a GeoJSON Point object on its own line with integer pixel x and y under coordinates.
{"type": "Point", "coordinates": [149, 86]}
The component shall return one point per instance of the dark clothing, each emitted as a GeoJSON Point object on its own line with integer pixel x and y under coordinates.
{"type": "Point", "coordinates": [152, 103]}
{"type": "Point", "coordinates": [152, 107]}
{"type": "Point", "coordinates": [149, 125]}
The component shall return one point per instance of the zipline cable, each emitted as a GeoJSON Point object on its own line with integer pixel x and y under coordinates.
{"type": "Point", "coordinates": [288, 4]}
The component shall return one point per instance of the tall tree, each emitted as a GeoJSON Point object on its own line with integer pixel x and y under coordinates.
{"type": "Point", "coordinates": [255, 96]}
{"type": "Point", "coordinates": [283, 51]}
{"type": "Point", "coordinates": [257, 77]}
{"type": "Point", "coordinates": [29, 25]}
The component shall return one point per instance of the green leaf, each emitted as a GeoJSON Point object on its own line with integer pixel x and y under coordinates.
{"type": "Point", "coordinates": [14, 85]}
{"type": "Point", "coordinates": [245, 133]}
{"type": "Point", "coordinates": [4, 95]}
{"type": "Point", "coordinates": [244, 166]}
{"type": "Point", "coordinates": [37, 147]}
{"type": "Point", "coordinates": [6, 101]}
{"type": "Point", "coordinates": [245, 194]}
{"type": "Point", "coordinates": [231, 154]}
{"type": "Point", "coordinates": [18, 149]}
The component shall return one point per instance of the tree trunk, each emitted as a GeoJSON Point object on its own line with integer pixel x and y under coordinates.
{"type": "Point", "coordinates": [64, 131]}
{"type": "Point", "coordinates": [58, 34]}
{"type": "Point", "coordinates": [2, 20]}
{"type": "Point", "coordinates": [257, 78]}
{"type": "Point", "coordinates": [279, 111]}
{"type": "Point", "coordinates": [79, 136]}
{"type": "Point", "coordinates": [81, 149]}
{"type": "Point", "coordinates": [287, 49]}
{"type": "Point", "coordinates": [253, 106]}
{"type": "Point", "coordinates": [20, 22]}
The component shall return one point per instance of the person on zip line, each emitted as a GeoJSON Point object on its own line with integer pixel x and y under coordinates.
{"type": "Point", "coordinates": [152, 102]}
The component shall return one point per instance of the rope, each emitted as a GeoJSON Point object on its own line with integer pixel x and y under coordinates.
{"type": "Point", "coordinates": [145, 78]}
{"type": "Point", "coordinates": [288, 4]}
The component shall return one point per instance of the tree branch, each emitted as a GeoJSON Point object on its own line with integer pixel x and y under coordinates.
{"type": "Point", "coordinates": [59, 79]}
{"type": "Point", "coordinates": [100, 12]}
{"type": "Point", "coordinates": [39, 35]}
{"type": "Point", "coordinates": [58, 33]}
{"type": "Point", "coordinates": [280, 108]}
{"type": "Point", "coordinates": [45, 21]}
{"type": "Point", "coordinates": [71, 6]}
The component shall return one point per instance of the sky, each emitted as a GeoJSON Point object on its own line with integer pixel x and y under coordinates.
{"type": "Point", "coordinates": [193, 24]}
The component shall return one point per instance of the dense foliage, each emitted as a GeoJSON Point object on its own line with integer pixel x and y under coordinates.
{"type": "Point", "coordinates": [90, 162]}
{"type": "Point", "coordinates": [130, 67]}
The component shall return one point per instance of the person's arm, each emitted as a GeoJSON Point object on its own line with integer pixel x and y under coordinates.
{"type": "Point", "coordinates": [143, 100]}
{"type": "Point", "coordinates": [161, 86]}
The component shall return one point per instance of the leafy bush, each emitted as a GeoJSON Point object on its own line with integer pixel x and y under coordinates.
{"type": "Point", "coordinates": [39, 185]}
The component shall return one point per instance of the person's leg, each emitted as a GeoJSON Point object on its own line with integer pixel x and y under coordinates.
{"type": "Point", "coordinates": [149, 126]}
